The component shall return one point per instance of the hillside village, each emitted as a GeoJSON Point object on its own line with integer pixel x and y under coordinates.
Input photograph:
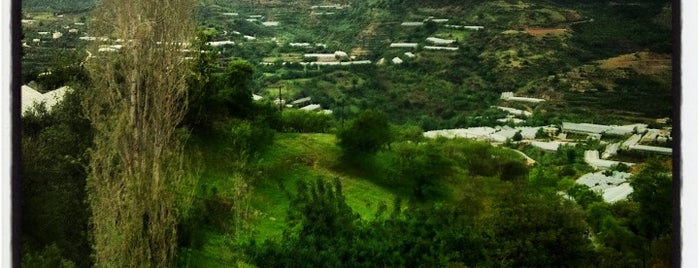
{"type": "Point", "coordinates": [394, 132]}
{"type": "Point", "coordinates": [639, 137]}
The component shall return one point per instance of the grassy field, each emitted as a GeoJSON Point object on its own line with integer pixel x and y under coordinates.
{"type": "Point", "coordinates": [295, 158]}
{"type": "Point", "coordinates": [264, 190]}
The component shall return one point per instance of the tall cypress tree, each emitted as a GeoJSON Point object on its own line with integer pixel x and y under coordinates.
{"type": "Point", "coordinates": [138, 99]}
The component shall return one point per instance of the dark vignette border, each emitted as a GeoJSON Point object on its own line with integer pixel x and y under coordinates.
{"type": "Point", "coordinates": [15, 104]}
{"type": "Point", "coordinates": [16, 142]}
{"type": "Point", "coordinates": [676, 133]}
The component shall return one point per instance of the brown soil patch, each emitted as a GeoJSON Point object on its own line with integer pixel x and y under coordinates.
{"type": "Point", "coordinates": [572, 15]}
{"type": "Point", "coordinates": [544, 31]}
{"type": "Point", "coordinates": [371, 29]}
{"type": "Point", "coordinates": [359, 51]}
{"type": "Point", "coordinates": [641, 62]}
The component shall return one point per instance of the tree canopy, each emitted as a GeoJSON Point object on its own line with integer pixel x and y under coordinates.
{"type": "Point", "coordinates": [365, 135]}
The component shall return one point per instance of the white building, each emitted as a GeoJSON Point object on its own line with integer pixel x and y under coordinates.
{"type": "Point", "coordinates": [300, 44]}
{"type": "Point", "coordinates": [652, 149]}
{"type": "Point", "coordinates": [515, 111]}
{"type": "Point", "coordinates": [311, 107]}
{"type": "Point", "coordinates": [512, 119]}
{"type": "Point", "coordinates": [343, 63]}
{"type": "Point", "coordinates": [611, 150]}
{"type": "Point", "coordinates": [341, 55]}
{"type": "Point", "coordinates": [587, 128]}
{"type": "Point", "coordinates": [412, 23]}
{"type": "Point", "coordinates": [439, 20]}
{"type": "Point", "coordinates": [109, 48]}
{"type": "Point", "coordinates": [510, 96]}
{"type": "Point", "coordinates": [336, 6]}
{"type": "Point", "coordinates": [440, 41]}
{"type": "Point", "coordinates": [467, 27]}
{"type": "Point", "coordinates": [592, 159]}
{"type": "Point", "coordinates": [403, 45]}
{"type": "Point", "coordinates": [613, 188]}
{"type": "Point", "coordinates": [324, 57]}
{"type": "Point", "coordinates": [220, 43]}
{"type": "Point", "coordinates": [30, 97]}
{"type": "Point", "coordinates": [549, 146]}
{"type": "Point", "coordinates": [301, 101]}
{"type": "Point", "coordinates": [441, 48]}
{"type": "Point", "coordinates": [396, 60]}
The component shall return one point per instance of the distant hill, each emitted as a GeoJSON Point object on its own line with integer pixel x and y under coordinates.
{"type": "Point", "coordinates": [57, 5]}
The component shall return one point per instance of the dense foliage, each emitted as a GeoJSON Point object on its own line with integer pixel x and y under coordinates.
{"type": "Point", "coordinates": [365, 135]}
{"type": "Point", "coordinates": [55, 229]}
{"type": "Point", "coordinates": [329, 234]}
{"type": "Point", "coordinates": [360, 185]}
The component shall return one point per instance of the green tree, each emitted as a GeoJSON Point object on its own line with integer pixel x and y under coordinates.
{"type": "Point", "coordinates": [541, 134]}
{"type": "Point", "coordinates": [54, 212]}
{"type": "Point", "coordinates": [365, 135]}
{"type": "Point", "coordinates": [325, 232]}
{"type": "Point", "coordinates": [201, 81]}
{"type": "Point", "coordinates": [534, 230]}
{"type": "Point", "coordinates": [617, 245]}
{"type": "Point", "coordinates": [423, 169]}
{"type": "Point", "coordinates": [137, 101]}
{"type": "Point", "coordinates": [512, 170]}
{"type": "Point", "coordinates": [49, 257]}
{"type": "Point", "coordinates": [583, 195]}
{"type": "Point", "coordinates": [517, 136]}
{"type": "Point", "coordinates": [410, 133]}
{"type": "Point", "coordinates": [305, 121]}
{"type": "Point", "coordinates": [653, 192]}
{"type": "Point", "coordinates": [321, 227]}
{"type": "Point", "coordinates": [234, 92]}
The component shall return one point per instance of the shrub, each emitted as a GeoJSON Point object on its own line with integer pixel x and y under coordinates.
{"type": "Point", "coordinates": [365, 135]}
{"type": "Point", "coordinates": [48, 257]}
{"type": "Point", "coordinates": [305, 121]}
{"type": "Point", "coordinates": [244, 138]}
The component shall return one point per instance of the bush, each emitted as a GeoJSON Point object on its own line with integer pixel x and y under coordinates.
{"type": "Point", "coordinates": [584, 196]}
{"type": "Point", "coordinates": [244, 138]}
{"type": "Point", "coordinates": [426, 169]}
{"type": "Point", "coordinates": [49, 257]}
{"type": "Point", "coordinates": [407, 133]}
{"type": "Point", "coordinates": [365, 135]}
{"type": "Point", "coordinates": [305, 121]}
{"type": "Point", "coordinates": [517, 136]}
{"type": "Point", "coordinates": [513, 170]}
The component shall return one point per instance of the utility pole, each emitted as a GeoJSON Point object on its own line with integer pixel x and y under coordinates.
{"type": "Point", "coordinates": [280, 99]}
{"type": "Point", "coordinates": [342, 112]}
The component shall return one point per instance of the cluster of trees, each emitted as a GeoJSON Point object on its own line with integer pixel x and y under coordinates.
{"type": "Point", "coordinates": [520, 226]}
{"type": "Point", "coordinates": [59, 6]}
{"type": "Point", "coordinates": [54, 213]}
